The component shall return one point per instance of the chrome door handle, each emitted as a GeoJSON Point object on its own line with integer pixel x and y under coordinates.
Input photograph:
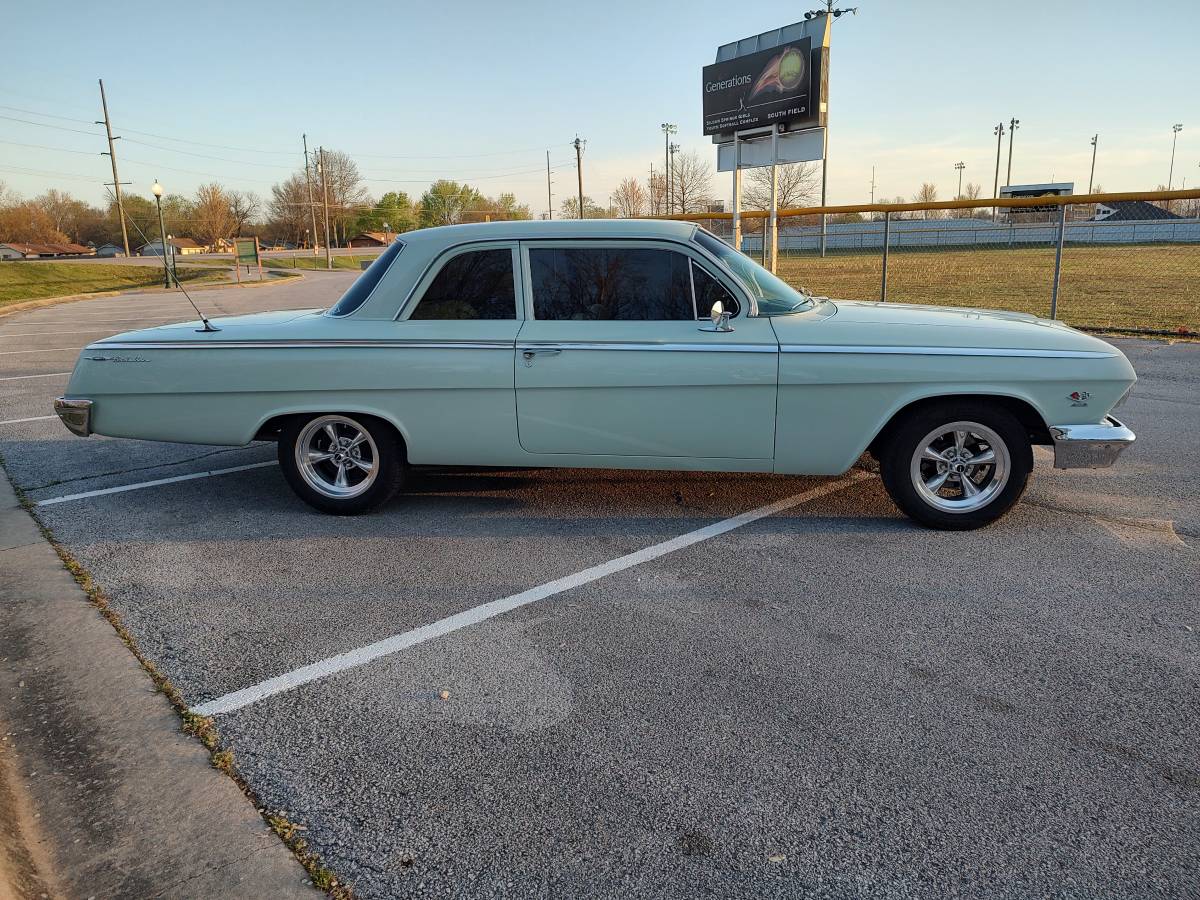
{"type": "Point", "coordinates": [530, 354]}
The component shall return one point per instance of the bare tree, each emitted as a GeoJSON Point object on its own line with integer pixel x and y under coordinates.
{"type": "Point", "coordinates": [629, 199]}
{"type": "Point", "coordinates": [927, 194]}
{"type": "Point", "coordinates": [656, 193]}
{"type": "Point", "coordinates": [799, 185]}
{"type": "Point", "coordinates": [691, 183]}
{"type": "Point", "coordinates": [347, 195]}
{"type": "Point", "coordinates": [971, 192]}
{"type": "Point", "coordinates": [288, 210]}
{"type": "Point", "coordinates": [212, 219]}
{"type": "Point", "coordinates": [245, 207]}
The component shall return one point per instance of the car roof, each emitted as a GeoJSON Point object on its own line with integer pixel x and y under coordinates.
{"type": "Point", "coordinates": [553, 228]}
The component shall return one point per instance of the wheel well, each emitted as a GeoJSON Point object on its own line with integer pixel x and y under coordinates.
{"type": "Point", "coordinates": [271, 429]}
{"type": "Point", "coordinates": [1029, 417]}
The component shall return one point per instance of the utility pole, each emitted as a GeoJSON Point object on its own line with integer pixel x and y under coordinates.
{"type": "Point", "coordinates": [112, 156]}
{"type": "Point", "coordinates": [1175, 129]}
{"type": "Point", "coordinates": [549, 196]}
{"type": "Point", "coordinates": [325, 195]}
{"type": "Point", "coordinates": [960, 165]}
{"type": "Point", "coordinates": [999, 132]}
{"type": "Point", "coordinates": [653, 202]}
{"type": "Point", "coordinates": [1092, 174]}
{"type": "Point", "coordinates": [668, 130]}
{"type": "Point", "coordinates": [312, 208]}
{"type": "Point", "coordinates": [579, 170]}
{"type": "Point", "coordinates": [830, 14]}
{"type": "Point", "coordinates": [1013, 125]}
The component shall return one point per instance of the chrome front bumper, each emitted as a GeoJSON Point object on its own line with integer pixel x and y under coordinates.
{"type": "Point", "coordinates": [1089, 446]}
{"type": "Point", "coordinates": [75, 414]}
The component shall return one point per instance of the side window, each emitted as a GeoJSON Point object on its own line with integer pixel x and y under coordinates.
{"type": "Point", "coordinates": [709, 291]}
{"type": "Point", "coordinates": [473, 285]}
{"type": "Point", "coordinates": [610, 283]}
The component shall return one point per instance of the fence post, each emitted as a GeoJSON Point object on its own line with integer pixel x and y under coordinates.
{"type": "Point", "coordinates": [887, 239]}
{"type": "Point", "coordinates": [1062, 233]}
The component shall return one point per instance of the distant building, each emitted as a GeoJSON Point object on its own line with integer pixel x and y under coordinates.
{"type": "Point", "coordinates": [372, 239]}
{"type": "Point", "coordinates": [108, 251]}
{"type": "Point", "coordinates": [1130, 211]}
{"type": "Point", "coordinates": [23, 250]}
{"type": "Point", "coordinates": [179, 247]}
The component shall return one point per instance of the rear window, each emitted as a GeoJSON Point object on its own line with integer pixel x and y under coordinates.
{"type": "Point", "coordinates": [477, 284]}
{"type": "Point", "coordinates": [362, 287]}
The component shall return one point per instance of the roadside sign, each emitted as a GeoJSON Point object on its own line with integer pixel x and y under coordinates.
{"type": "Point", "coordinates": [246, 253]}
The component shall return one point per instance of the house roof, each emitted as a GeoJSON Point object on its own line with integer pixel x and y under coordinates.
{"type": "Point", "coordinates": [1131, 211]}
{"type": "Point", "coordinates": [46, 249]}
{"type": "Point", "coordinates": [174, 242]}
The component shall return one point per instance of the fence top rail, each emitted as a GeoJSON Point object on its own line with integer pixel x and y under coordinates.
{"type": "Point", "coordinates": [1004, 202]}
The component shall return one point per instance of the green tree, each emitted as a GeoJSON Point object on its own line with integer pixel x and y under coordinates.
{"type": "Point", "coordinates": [394, 208]}
{"type": "Point", "coordinates": [447, 203]}
{"type": "Point", "coordinates": [591, 209]}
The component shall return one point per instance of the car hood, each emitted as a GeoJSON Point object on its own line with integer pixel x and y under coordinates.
{"type": "Point", "coordinates": [862, 323]}
{"type": "Point", "coordinates": [249, 327]}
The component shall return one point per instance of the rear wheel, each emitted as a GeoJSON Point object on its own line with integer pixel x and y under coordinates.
{"type": "Point", "coordinates": [342, 464]}
{"type": "Point", "coordinates": [956, 465]}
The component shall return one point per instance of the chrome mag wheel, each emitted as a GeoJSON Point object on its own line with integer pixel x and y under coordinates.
{"type": "Point", "coordinates": [337, 457]}
{"type": "Point", "coordinates": [960, 467]}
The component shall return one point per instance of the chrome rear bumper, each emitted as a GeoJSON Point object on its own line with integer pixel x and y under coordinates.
{"type": "Point", "coordinates": [75, 414]}
{"type": "Point", "coordinates": [1090, 446]}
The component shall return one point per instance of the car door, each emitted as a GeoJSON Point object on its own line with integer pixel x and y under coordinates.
{"type": "Point", "coordinates": [615, 357]}
{"type": "Point", "coordinates": [455, 336]}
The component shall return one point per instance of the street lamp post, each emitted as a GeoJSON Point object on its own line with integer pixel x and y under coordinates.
{"type": "Point", "coordinates": [162, 233]}
{"type": "Point", "coordinates": [387, 234]}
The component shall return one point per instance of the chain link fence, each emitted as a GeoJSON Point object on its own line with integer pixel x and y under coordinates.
{"type": "Point", "coordinates": [1124, 264]}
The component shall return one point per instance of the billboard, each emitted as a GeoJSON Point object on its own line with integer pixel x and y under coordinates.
{"type": "Point", "coordinates": [767, 87]}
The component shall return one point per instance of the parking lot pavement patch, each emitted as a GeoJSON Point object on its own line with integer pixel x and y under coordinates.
{"type": "Point", "coordinates": [128, 805]}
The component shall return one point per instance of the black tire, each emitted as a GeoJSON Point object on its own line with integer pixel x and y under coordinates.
{"type": "Point", "coordinates": [317, 483]}
{"type": "Point", "coordinates": [998, 484]}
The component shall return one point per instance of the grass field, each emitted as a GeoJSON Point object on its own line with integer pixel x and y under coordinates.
{"type": "Point", "coordinates": [316, 262]}
{"type": "Point", "coordinates": [1147, 287]}
{"type": "Point", "coordinates": [33, 280]}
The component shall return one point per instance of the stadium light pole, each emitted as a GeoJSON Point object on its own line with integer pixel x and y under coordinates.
{"type": "Point", "coordinates": [668, 129]}
{"type": "Point", "coordinates": [999, 132]}
{"type": "Point", "coordinates": [1175, 129]}
{"type": "Point", "coordinates": [960, 165]}
{"type": "Point", "coordinates": [830, 14]}
{"type": "Point", "coordinates": [1013, 125]}
{"type": "Point", "coordinates": [673, 149]}
{"type": "Point", "coordinates": [1092, 174]}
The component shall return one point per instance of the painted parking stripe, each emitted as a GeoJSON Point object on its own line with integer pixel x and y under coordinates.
{"type": "Point", "coordinates": [30, 419]}
{"type": "Point", "coordinates": [386, 647]}
{"type": "Point", "coordinates": [46, 375]}
{"type": "Point", "coordinates": [155, 483]}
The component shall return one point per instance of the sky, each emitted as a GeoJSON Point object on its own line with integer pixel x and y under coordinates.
{"type": "Point", "coordinates": [479, 91]}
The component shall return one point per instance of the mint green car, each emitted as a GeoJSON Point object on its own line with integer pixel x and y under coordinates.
{"type": "Point", "coordinates": [617, 344]}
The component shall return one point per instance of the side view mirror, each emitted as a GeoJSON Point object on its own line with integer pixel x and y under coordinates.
{"type": "Point", "coordinates": [720, 318]}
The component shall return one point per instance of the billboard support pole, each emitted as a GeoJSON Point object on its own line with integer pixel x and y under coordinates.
{"type": "Point", "coordinates": [737, 192]}
{"type": "Point", "coordinates": [774, 224]}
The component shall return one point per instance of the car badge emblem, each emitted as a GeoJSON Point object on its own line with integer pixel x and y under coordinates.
{"type": "Point", "coordinates": [1079, 398]}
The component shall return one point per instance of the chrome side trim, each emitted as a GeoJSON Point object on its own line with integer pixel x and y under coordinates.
{"type": "Point", "coordinates": [945, 351]}
{"type": "Point", "coordinates": [75, 414]}
{"type": "Point", "coordinates": [1090, 446]}
{"type": "Point", "coordinates": [266, 345]}
{"type": "Point", "coordinates": [647, 345]}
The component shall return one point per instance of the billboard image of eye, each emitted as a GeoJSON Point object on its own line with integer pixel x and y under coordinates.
{"type": "Point", "coordinates": [776, 85]}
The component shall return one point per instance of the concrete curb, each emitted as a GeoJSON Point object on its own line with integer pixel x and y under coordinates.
{"type": "Point", "coordinates": [26, 305]}
{"type": "Point", "coordinates": [116, 800]}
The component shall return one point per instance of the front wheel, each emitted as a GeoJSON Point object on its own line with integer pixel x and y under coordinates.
{"type": "Point", "coordinates": [957, 465]}
{"type": "Point", "coordinates": [342, 464]}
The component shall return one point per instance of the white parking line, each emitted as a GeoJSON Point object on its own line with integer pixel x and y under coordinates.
{"type": "Point", "coordinates": [46, 375]}
{"type": "Point", "coordinates": [146, 484]}
{"type": "Point", "coordinates": [363, 655]}
{"type": "Point", "coordinates": [30, 419]}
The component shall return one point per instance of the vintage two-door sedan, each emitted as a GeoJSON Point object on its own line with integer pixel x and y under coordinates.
{"type": "Point", "coordinates": [619, 344]}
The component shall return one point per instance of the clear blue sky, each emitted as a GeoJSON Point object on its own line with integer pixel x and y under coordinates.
{"type": "Point", "coordinates": [478, 90]}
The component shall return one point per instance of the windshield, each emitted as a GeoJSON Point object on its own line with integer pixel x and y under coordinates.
{"type": "Point", "coordinates": [365, 283]}
{"type": "Point", "coordinates": [775, 297]}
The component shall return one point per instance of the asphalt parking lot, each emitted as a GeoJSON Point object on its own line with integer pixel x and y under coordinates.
{"type": "Point", "coordinates": [826, 701]}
